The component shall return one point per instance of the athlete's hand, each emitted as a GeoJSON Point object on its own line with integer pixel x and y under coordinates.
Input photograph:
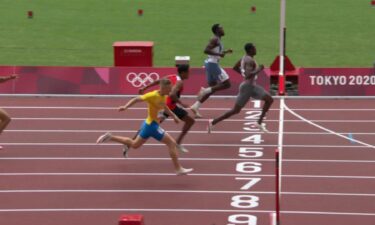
{"type": "Point", "coordinates": [13, 76]}
{"type": "Point", "coordinates": [121, 108]}
{"type": "Point", "coordinates": [261, 67]}
{"type": "Point", "coordinates": [229, 51]}
{"type": "Point", "coordinates": [140, 91]}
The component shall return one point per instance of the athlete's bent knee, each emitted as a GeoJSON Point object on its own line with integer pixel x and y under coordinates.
{"type": "Point", "coordinates": [268, 99]}
{"type": "Point", "coordinates": [226, 84]}
{"type": "Point", "coordinates": [236, 110]}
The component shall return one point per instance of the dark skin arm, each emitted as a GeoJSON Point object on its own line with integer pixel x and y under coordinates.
{"type": "Point", "coordinates": [237, 66]}
{"type": "Point", "coordinates": [211, 45]}
{"type": "Point", "coordinates": [5, 79]}
{"type": "Point", "coordinates": [248, 67]}
{"type": "Point", "coordinates": [176, 88]}
{"type": "Point", "coordinates": [255, 72]}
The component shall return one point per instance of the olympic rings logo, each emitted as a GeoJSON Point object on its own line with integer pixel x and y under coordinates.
{"type": "Point", "coordinates": [141, 79]}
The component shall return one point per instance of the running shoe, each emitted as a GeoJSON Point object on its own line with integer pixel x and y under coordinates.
{"type": "Point", "coordinates": [209, 126]}
{"type": "Point", "coordinates": [196, 113]}
{"type": "Point", "coordinates": [183, 171]}
{"type": "Point", "coordinates": [262, 127]}
{"type": "Point", "coordinates": [104, 138]}
{"type": "Point", "coordinates": [125, 151]}
{"type": "Point", "coordinates": [182, 149]}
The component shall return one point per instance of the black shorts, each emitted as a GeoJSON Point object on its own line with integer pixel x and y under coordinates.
{"type": "Point", "coordinates": [180, 112]}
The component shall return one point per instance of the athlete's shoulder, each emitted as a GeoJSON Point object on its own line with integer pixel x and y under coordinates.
{"type": "Point", "coordinates": [247, 57]}
{"type": "Point", "coordinates": [171, 76]}
{"type": "Point", "coordinates": [150, 94]}
{"type": "Point", "coordinates": [214, 40]}
{"type": "Point", "coordinates": [174, 78]}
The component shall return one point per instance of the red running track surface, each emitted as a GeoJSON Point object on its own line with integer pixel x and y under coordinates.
{"type": "Point", "coordinates": [52, 172]}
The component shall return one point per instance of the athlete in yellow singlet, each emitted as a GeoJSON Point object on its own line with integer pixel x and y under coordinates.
{"type": "Point", "coordinates": [156, 101]}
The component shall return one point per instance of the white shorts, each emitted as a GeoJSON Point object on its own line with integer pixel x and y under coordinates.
{"type": "Point", "coordinates": [215, 73]}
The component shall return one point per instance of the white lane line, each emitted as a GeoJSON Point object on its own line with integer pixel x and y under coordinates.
{"type": "Point", "coordinates": [183, 210]}
{"type": "Point", "coordinates": [185, 159]}
{"type": "Point", "coordinates": [329, 213]}
{"type": "Point", "coordinates": [135, 210]}
{"type": "Point", "coordinates": [113, 144]}
{"type": "Point", "coordinates": [182, 191]}
{"type": "Point", "coordinates": [102, 119]}
{"type": "Point", "coordinates": [131, 191]}
{"type": "Point", "coordinates": [114, 108]}
{"type": "Point", "coordinates": [178, 131]}
{"type": "Point", "coordinates": [336, 109]}
{"type": "Point", "coordinates": [142, 119]}
{"type": "Point", "coordinates": [126, 131]}
{"type": "Point", "coordinates": [122, 174]}
{"type": "Point", "coordinates": [329, 177]}
{"type": "Point", "coordinates": [330, 194]}
{"type": "Point", "coordinates": [328, 130]}
{"type": "Point", "coordinates": [128, 159]}
{"type": "Point", "coordinates": [132, 210]}
{"type": "Point", "coordinates": [187, 144]}
{"type": "Point", "coordinates": [144, 108]}
{"type": "Point", "coordinates": [194, 174]}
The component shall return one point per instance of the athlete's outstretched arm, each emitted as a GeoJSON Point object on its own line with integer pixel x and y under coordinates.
{"type": "Point", "coordinates": [5, 79]}
{"type": "Point", "coordinates": [211, 45]}
{"type": "Point", "coordinates": [229, 50]}
{"type": "Point", "coordinates": [255, 72]}
{"type": "Point", "coordinates": [141, 90]}
{"type": "Point", "coordinates": [176, 88]}
{"type": "Point", "coordinates": [130, 103]}
{"type": "Point", "coordinates": [237, 66]}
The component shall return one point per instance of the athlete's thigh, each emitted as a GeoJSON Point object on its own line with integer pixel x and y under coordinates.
{"type": "Point", "coordinates": [3, 114]}
{"type": "Point", "coordinates": [213, 72]}
{"type": "Point", "coordinates": [167, 139]}
{"type": "Point", "coordinates": [258, 92]}
{"type": "Point", "coordinates": [223, 76]}
{"type": "Point", "coordinates": [244, 94]}
{"type": "Point", "coordinates": [139, 141]}
{"type": "Point", "coordinates": [180, 112]}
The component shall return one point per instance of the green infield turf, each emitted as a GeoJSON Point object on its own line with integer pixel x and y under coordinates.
{"type": "Point", "coordinates": [320, 33]}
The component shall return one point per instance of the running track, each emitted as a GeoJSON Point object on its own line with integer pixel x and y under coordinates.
{"type": "Point", "coordinates": [52, 172]}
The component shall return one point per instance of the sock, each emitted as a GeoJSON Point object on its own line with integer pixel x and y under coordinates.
{"type": "Point", "coordinates": [207, 90]}
{"type": "Point", "coordinates": [196, 105]}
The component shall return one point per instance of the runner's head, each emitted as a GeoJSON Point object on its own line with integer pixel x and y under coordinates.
{"type": "Point", "coordinates": [250, 49]}
{"type": "Point", "coordinates": [165, 86]}
{"type": "Point", "coordinates": [218, 30]}
{"type": "Point", "coordinates": [183, 71]}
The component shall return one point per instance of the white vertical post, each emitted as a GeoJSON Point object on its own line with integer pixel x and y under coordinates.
{"type": "Point", "coordinates": [282, 47]}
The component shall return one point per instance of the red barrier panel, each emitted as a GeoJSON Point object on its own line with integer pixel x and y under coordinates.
{"type": "Point", "coordinates": [135, 219]}
{"type": "Point", "coordinates": [105, 80]}
{"type": "Point", "coordinates": [337, 82]}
